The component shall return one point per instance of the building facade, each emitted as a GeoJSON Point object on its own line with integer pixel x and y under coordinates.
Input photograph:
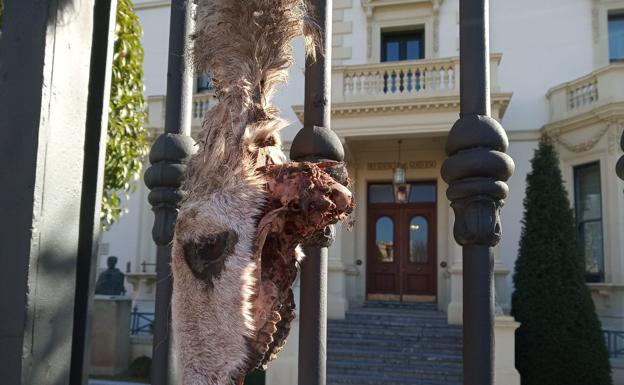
{"type": "Point", "coordinates": [555, 68]}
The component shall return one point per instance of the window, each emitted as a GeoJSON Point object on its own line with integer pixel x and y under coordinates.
{"type": "Point", "coordinates": [418, 238]}
{"type": "Point", "coordinates": [588, 209]}
{"type": "Point", "coordinates": [616, 37]}
{"type": "Point", "coordinates": [419, 193]}
{"type": "Point", "coordinates": [384, 239]}
{"type": "Point", "coordinates": [204, 82]}
{"type": "Point", "coordinates": [406, 45]}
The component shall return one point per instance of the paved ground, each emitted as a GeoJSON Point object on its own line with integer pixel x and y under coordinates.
{"type": "Point", "coordinates": [108, 382]}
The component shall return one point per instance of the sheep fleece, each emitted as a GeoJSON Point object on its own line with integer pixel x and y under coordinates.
{"type": "Point", "coordinates": [245, 210]}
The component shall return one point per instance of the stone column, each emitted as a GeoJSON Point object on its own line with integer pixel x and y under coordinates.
{"type": "Point", "coordinates": [337, 304]}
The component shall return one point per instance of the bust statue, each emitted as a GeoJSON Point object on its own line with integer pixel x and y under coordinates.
{"type": "Point", "coordinates": [111, 281]}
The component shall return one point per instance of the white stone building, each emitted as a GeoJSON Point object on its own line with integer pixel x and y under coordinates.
{"type": "Point", "coordinates": [554, 69]}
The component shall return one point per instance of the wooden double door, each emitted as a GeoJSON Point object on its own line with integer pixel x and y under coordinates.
{"type": "Point", "coordinates": [402, 260]}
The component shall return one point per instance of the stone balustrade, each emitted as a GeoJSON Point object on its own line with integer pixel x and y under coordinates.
{"type": "Point", "coordinates": [156, 110]}
{"type": "Point", "coordinates": [401, 80]}
{"type": "Point", "coordinates": [592, 91]}
{"type": "Point", "coordinates": [201, 104]}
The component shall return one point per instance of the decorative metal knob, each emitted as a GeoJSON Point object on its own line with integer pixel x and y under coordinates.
{"type": "Point", "coordinates": [314, 144]}
{"type": "Point", "coordinates": [164, 178]}
{"type": "Point", "coordinates": [476, 171]}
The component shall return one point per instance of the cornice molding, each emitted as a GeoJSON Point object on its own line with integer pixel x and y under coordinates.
{"type": "Point", "coordinates": [601, 120]}
{"type": "Point", "coordinates": [370, 5]}
{"type": "Point", "coordinates": [524, 135]}
{"type": "Point", "coordinates": [499, 100]}
{"type": "Point", "coordinates": [152, 4]}
{"type": "Point", "coordinates": [602, 114]}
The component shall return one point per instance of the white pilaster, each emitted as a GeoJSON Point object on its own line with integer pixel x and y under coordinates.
{"type": "Point", "coordinates": [456, 306]}
{"type": "Point", "coordinates": [337, 303]}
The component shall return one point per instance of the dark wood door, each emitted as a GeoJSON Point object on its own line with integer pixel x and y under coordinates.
{"type": "Point", "coordinates": [418, 257]}
{"type": "Point", "coordinates": [383, 252]}
{"type": "Point", "coordinates": [401, 251]}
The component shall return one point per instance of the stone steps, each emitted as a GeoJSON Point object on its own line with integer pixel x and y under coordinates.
{"type": "Point", "coordinates": [365, 379]}
{"type": "Point", "coordinates": [393, 343]}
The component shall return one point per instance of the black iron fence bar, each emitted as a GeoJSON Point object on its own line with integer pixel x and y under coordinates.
{"type": "Point", "coordinates": [316, 142]}
{"type": "Point", "coordinates": [615, 342]}
{"type": "Point", "coordinates": [93, 180]}
{"type": "Point", "coordinates": [475, 171]}
{"type": "Point", "coordinates": [619, 167]}
{"type": "Point", "coordinates": [164, 177]}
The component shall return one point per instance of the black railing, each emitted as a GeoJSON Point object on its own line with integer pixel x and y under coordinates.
{"type": "Point", "coordinates": [144, 266]}
{"type": "Point", "coordinates": [615, 342]}
{"type": "Point", "coordinates": [141, 323]}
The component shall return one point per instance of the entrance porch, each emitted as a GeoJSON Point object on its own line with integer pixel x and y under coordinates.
{"type": "Point", "coordinates": [399, 251]}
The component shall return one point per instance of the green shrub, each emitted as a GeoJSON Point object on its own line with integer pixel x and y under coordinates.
{"type": "Point", "coordinates": [560, 340]}
{"type": "Point", "coordinates": [127, 144]}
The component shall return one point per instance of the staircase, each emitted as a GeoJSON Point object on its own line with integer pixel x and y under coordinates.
{"type": "Point", "coordinates": [394, 343]}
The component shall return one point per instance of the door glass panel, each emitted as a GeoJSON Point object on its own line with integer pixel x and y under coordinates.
{"type": "Point", "coordinates": [384, 240]}
{"type": "Point", "coordinates": [418, 236]}
{"type": "Point", "coordinates": [381, 193]}
{"type": "Point", "coordinates": [422, 193]}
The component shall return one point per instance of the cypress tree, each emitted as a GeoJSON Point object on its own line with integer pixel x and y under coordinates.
{"type": "Point", "coordinates": [560, 340]}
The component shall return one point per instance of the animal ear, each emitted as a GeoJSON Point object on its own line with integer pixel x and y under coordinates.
{"type": "Point", "coordinates": [206, 256]}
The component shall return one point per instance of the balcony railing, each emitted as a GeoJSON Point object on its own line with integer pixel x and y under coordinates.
{"type": "Point", "coordinates": [615, 343]}
{"type": "Point", "coordinates": [201, 103]}
{"type": "Point", "coordinates": [595, 90]}
{"type": "Point", "coordinates": [400, 80]}
{"type": "Point", "coordinates": [141, 323]}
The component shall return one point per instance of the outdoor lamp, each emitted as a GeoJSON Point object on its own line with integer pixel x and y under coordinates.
{"type": "Point", "coordinates": [401, 189]}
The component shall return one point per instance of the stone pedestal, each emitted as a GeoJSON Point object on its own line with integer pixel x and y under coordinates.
{"type": "Point", "coordinates": [505, 372]}
{"type": "Point", "coordinates": [110, 338]}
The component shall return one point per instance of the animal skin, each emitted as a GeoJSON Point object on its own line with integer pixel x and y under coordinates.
{"type": "Point", "coordinates": [244, 210]}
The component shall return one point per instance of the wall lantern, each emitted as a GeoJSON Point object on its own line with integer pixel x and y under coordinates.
{"type": "Point", "coordinates": [401, 189]}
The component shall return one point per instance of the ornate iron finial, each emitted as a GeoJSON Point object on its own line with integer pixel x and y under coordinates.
{"type": "Point", "coordinates": [163, 179]}
{"type": "Point", "coordinates": [476, 171]}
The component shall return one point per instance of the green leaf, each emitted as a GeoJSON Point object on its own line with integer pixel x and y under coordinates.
{"type": "Point", "coordinates": [127, 144]}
